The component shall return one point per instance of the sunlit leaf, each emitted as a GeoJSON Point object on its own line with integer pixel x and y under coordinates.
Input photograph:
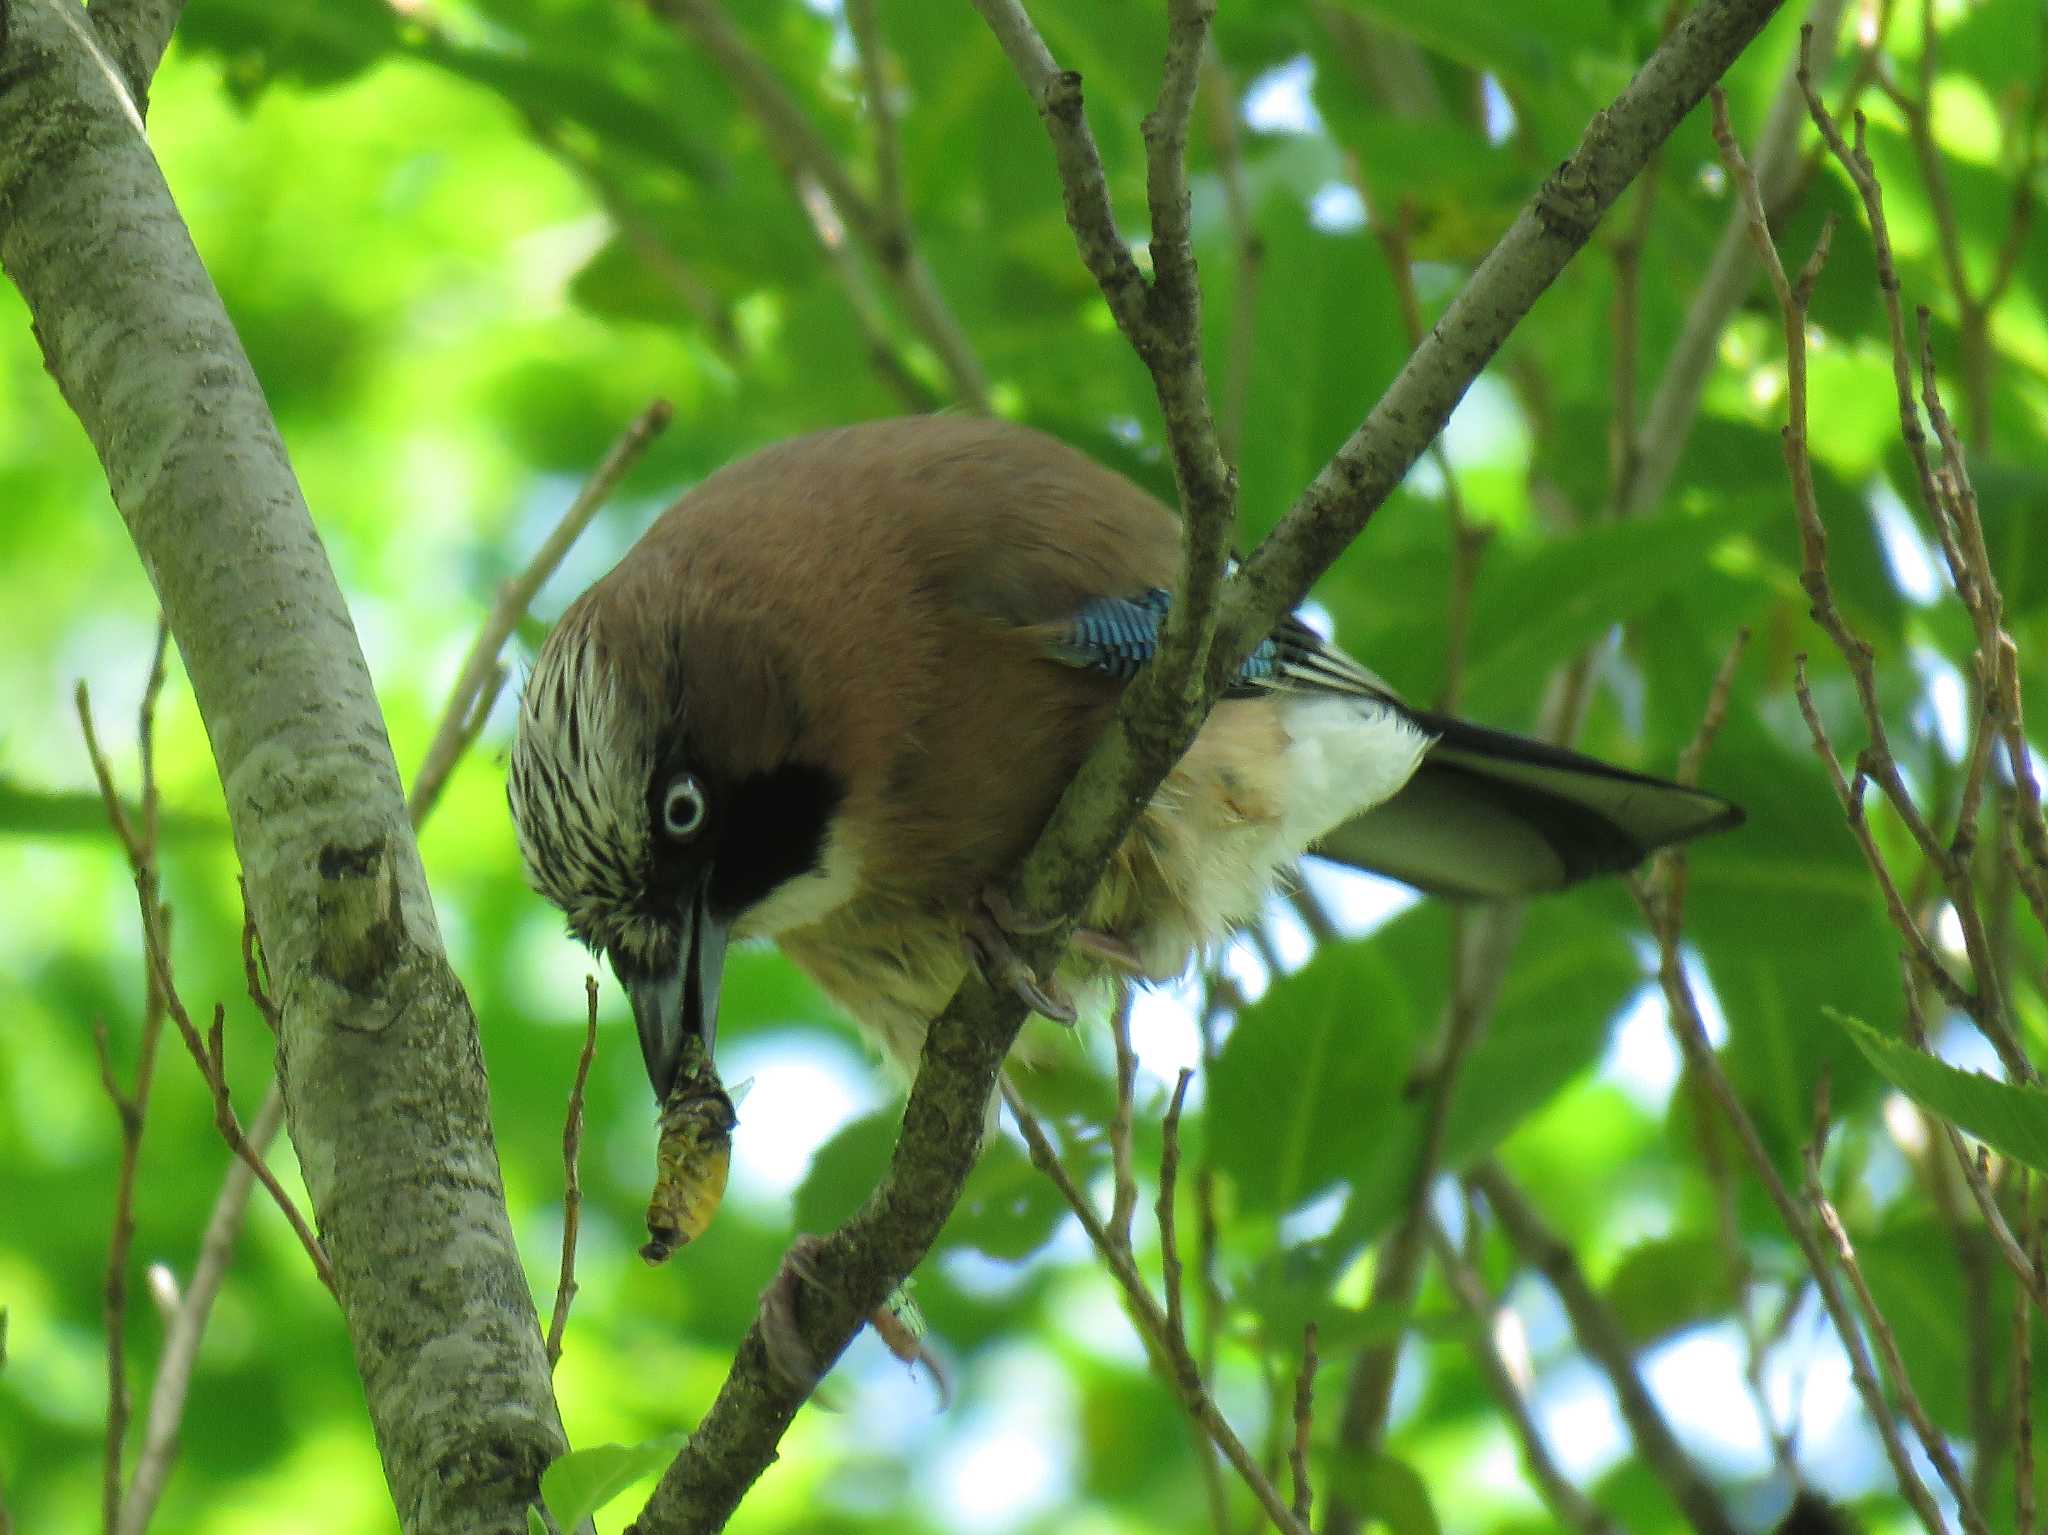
{"type": "Point", "coordinates": [584, 1481]}
{"type": "Point", "coordinates": [2011, 1120]}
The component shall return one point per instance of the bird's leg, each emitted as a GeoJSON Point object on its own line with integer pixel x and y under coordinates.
{"type": "Point", "coordinates": [1092, 941]}
{"type": "Point", "coordinates": [898, 1323]}
{"type": "Point", "coordinates": [1112, 950]}
{"type": "Point", "coordinates": [987, 936]}
{"type": "Point", "coordinates": [788, 1355]}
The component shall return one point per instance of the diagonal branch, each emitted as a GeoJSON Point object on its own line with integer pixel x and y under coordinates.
{"type": "Point", "coordinates": [1548, 232]}
{"type": "Point", "coordinates": [882, 228]}
{"type": "Point", "coordinates": [136, 33]}
{"type": "Point", "coordinates": [1600, 1334]}
{"type": "Point", "coordinates": [945, 1116]}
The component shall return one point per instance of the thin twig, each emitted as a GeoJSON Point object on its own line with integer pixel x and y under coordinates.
{"type": "Point", "coordinates": [1124, 1205]}
{"type": "Point", "coordinates": [1161, 318]}
{"type": "Point", "coordinates": [1304, 1422]}
{"type": "Point", "coordinates": [1932, 1441]}
{"type": "Point", "coordinates": [1701, 1060]}
{"type": "Point", "coordinates": [882, 227]}
{"type": "Point", "coordinates": [459, 722]}
{"type": "Point", "coordinates": [173, 1380]}
{"type": "Point", "coordinates": [2023, 1382]}
{"type": "Point", "coordinates": [1166, 1346]}
{"type": "Point", "coordinates": [131, 1108]}
{"type": "Point", "coordinates": [1876, 763]}
{"type": "Point", "coordinates": [572, 1181]}
{"type": "Point", "coordinates": [1571, 1507]}
{"type": "Point", "coordinates": [1606, 1343]}
{"type": "Point", "coordinates": [1169, 1240]}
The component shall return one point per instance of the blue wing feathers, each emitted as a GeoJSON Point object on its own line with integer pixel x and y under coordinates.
{"type": "Point", "coordinates": [1118, 635]}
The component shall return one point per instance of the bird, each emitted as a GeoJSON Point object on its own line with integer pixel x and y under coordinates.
{"type": "Point", "coordinates": [832, 694]}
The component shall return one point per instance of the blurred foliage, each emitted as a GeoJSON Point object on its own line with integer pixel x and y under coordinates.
{"type": "Point", "coordinates": [465, 242]}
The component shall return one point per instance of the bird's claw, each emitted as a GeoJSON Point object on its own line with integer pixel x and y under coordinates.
{"type": "Point", "coordinates": [788, 1354]}
{"type": "Point", "coordinates": [988, 942]}
{"type": "Point", "coordinates": [790, 1357]}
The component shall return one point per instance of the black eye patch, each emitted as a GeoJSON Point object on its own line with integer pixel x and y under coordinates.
{"type": "Point", "coordinates": [769, 828]}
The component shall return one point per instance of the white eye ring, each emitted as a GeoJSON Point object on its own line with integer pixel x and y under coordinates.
{"type": "Point", "coordinates": [682, 808]}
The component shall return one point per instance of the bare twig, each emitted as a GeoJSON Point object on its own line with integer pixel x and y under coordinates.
{"type": "Point", "coordinates": [2023, 1382]}
{"type": "Point", "coordinates": [1876, 763]}
{"type": "Point", "coordinates": [1571, 1507]}
{"type": "Point", "coordinates": [131, 1108]}
{"type": "Point", "coordinates": [129, 1111]}
{"type": "Point", "coordinates": [1162, 318]}
{"type": "Point", "coordinates": [1169, 1239]}
{"type": "Point", "coordinates": [572, 1182]}
{"type": "Point", "coordinates": [1124, 1205]}
{"type": "Point", "coordinates": [882, 227]}
{"type": "Point", "coordinates": [1166, 1345]}
{"type": "Point", "coordinates": [1931, 1439]}
{"type": "Point", "coordinates": [173, 1380]}
{"type": "Point", "coordinates": [1701, 1060]}
{"type": "Point", "coordinates": [205, 1052]}
{"type": "Point", "coordinates": [1600, 1333]}
{"type": "Point", "coordinates": [1304, 1422]}
{"type": "Point", "coordinates": [474, 685]}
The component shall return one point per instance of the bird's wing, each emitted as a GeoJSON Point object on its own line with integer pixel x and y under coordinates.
{"type": "Point", "coordinates": [1118, 635]}
{"type": "Point", "coordinates": [1488, 813]}
{"type": "Point", "coordinates": [1492, 814]}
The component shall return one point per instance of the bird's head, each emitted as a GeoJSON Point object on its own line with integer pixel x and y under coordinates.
{"type": "Point", "coordinates": [659, 798]}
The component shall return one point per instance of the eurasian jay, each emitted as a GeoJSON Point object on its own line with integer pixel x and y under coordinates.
{"type": "Point", "coordinates": [832, 694]}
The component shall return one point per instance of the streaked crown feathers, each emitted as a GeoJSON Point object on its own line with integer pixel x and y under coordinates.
{"type": "Point", "coordinates": [578, 780]}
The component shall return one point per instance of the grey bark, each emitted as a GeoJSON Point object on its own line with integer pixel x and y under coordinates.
{"type": "Point", "coordinates": [136, 33]}
{"type": "Point", "coordinates": [385, 1091]}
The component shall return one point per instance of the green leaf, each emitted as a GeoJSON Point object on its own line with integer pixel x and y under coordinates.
{"type": "Point", "coordinates": [1310, 1081]}
{"type": "Point", "coordinates": [311, 42]}
{"type": "Point", "coordinates": [535, 1525]}
{"type": "Point", "coordinates": [1009, 1209]}
{"type": "Point", "coordinates": [2012, 1121]}
{"type": "Point", "coordinates": [844, 1169]}
{"type": "Point", "coordinates": [1540, 602]}
{"type": "Point", "coordinates": [1384, 1491]}
{"type": "Point", "coordinates": [1666, 1285]}
{"type": "Point", "coordinates": [583, 1481]}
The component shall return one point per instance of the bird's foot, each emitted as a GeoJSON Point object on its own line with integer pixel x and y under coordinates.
{"type": "Point", "coordinates": [1111, 950]}
{"type": "Point", "coordinates": [898, 1323]}
{"type": "Point", "coordinates": [988, 944]}
{"type": "Point", "coordinates": [788, 1354]}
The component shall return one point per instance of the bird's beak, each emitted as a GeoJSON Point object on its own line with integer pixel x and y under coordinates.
{"type": "Point", "coordinates": [671, 1008]}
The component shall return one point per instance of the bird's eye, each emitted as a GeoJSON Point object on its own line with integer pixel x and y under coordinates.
{"type": "Point", "coordinates": [682, 808]}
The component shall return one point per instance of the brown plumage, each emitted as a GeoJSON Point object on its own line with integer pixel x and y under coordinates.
{"type": "Point", "coordinates": [832, 695]}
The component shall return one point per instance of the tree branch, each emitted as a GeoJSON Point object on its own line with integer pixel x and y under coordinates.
{"type": "Point", "coordinates": [384, 1090]}
{"type": "Point", "coordinates": [944, 1118]}
{"type": "Point", "coordinates": [468, 703]}
{"type": "Point", "coordinates": [136, 33]}
{"type": "Point", "coordinates": [1600, 1334]}
{"type": "Point", "coordinates": [1548, 232]}
{"type": "Point", "coordinates": [883, 229]}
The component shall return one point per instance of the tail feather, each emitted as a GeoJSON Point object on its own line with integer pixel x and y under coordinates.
{"type": "Point", "coordinates": [1490, 814]}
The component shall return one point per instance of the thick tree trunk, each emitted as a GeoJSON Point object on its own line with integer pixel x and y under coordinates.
{"type": "Point", "coordinates": [379, 1056]}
